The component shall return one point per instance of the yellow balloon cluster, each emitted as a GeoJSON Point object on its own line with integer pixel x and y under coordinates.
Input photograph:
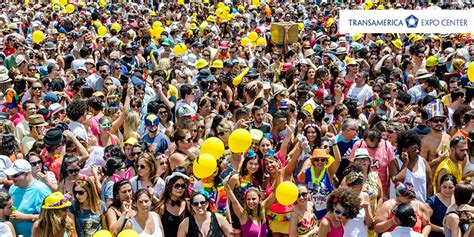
{"type": "Point", "coordinates": [223, 12]}
{"type": "Point", "coordinates": [286, 193]}
{"type": "Point", "coordinates": [69, 8]}
{"type": "Point", "coordinates": [116, 26]}
{"type": "Point", "coordinates": [102, 30]}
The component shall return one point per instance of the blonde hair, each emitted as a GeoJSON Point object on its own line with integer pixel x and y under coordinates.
{"type": "Point", "coordinates": [130, 124]}
{"type": "Point", "coordinates": [50, 222]}
{"type": "Point", "coordinates": [164, 64]}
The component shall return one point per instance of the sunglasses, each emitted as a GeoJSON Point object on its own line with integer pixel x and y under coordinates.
{"type": "Point", "coordinates": [72, 171]}
{"type": "Point", "coordinates": [136, 153]}
{"type": "Point", "coordinates": [17, 175]}
{"type": "Point", "coordinates": [180, 186]}
{"type": "Point", "coordinates": [141, 167]}
{"type": "Point", "coordinates": [201, 127]}
{"type": "Point", "coordinates": [150, 123]}
{"type": "Point", "coordinates": [399, 104]}
{"type": "Point", "coordinates": [438, 120]}
{"type": "Point", "coordinates": [136, 106]}
{"type": "Point", "coordinates": [197, 204]}
{"type": "Point", "coordinates": [340, 212]}
{"type": "Point", "coordinates": [320, 159]}
{"type": "Point", "coordinates": [302, 195]}
{"type": "Point", "coordinates": [37, 88]}
{"type": "Point", "coordinates": [386, 98]}
{"type": "Point", "coordinates": [35, 163]}
{"type": "Point", "coordinates": [80, 193]}
{"type": "Point", "coordinates": [163, 112]}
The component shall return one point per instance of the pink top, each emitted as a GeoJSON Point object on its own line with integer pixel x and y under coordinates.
{"type": "Point", "coordinates": [17, 118]}
{"type": "Point", "coordinates": [334, 231]}
{"type": "Point", "coordinates": [382, 155]}
{"type": "Point", "coordinates": [251, 229]}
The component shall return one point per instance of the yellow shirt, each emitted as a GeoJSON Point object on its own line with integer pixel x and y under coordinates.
{"type": "Point", "coordinates": [450, 168]}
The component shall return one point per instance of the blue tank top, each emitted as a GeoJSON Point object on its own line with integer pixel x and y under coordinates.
{"type": "Point", "coordinates": [319, 187]}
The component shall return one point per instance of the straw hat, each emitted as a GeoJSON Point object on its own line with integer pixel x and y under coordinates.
{"type": "Point", "coordinates": [56, 200]}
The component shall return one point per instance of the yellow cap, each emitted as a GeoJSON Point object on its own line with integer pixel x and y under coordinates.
{"type": "Point", "coordinates": [398, 43]}
{"type": "Point", "coordinates": [217, 64]}
{"type": "Point", "coordinates": [432, 61]}
{"type": "Point", "coordinates": [201, 63]}
{"type": "Point", "coordinates": [131, 141]}
{"type": "Point", "coordinates": [357, 36]}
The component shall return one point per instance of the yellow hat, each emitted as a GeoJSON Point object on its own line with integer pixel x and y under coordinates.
{"type": "Point", "coordinates": [131, 141]}
{"type": "Point", "coordinates": [398, 43]}
{"type": "Point", "coordinates": [417, 38]}
{"type": "Point", "coordinates": [193, 26]}
{"type": "Point", "coordinates": [201, 63]}
{"type": "Point", "coordinates": [320, 153]}
{"type": "Point", "coordinates": [357, 36]}
{"type": "Point", "coordinates": [217, 64]}
{"type": "Point", "coordinates": [410, 36]}
{"type": "Point", "coordinates": [56, 201]}
{"type": "Point", "coordinates": [380, 7]}
{"type": "Point", "coordinates": [211, 18]}
{"type": "Point", "coordinates": [379, 42]}
{"type": "Point", "coordinates": [153, 13]}
{"type": "Point", "coordinates": [432, 61]}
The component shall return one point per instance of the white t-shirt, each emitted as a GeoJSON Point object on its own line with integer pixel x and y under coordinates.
{"type": "Point", "coordinates": [363, 94]}
{"type": "Point", "coordinates": [158, 189]}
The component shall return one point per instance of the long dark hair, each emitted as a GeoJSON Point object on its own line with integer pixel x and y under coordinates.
{"type": "Point", "coordinates": [405, 214]}
{"type": "Point", "coordinates": [31, 154]}
{"type": "Point", "coordinates": [116, 201]}
{"type": "Point", "coordinates": [68, 160]}
{"type": "Point", "coordinates": [257, 175]}
{"type": "Point", "coordinates": [169, 188]}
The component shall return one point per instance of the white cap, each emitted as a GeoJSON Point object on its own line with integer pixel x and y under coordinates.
{"type": "Point", "coordinates": [361, 153]}
{"type": "Point", "coordinates": [19, 166]}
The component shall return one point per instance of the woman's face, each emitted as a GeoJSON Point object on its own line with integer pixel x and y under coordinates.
{"type": "Point", "coordinates": [311, 134]}
{"type": "Point", "coordinates": [143, 168]}
{"type": "Point", "coordinates": [252, 200]}
{"type": "Point", "coordinates": [125, 193]}
{"type": "Point", "coordinates": [143, 203]}
{"type": "Point", "coordinates": [271, 165]}
{"type": "Point", "coordinates": [199, 204]}
{"type": "Point", "coordinates": [363, 162]}
{"type": "Point", "coordinates": [357, 188]}
{"type": "Point", "coordinates": [36, 164]}
{"type": "Point", "coordinates": [206, 107]}
{"type": "Point", "coordinates": [179, 188]}
{"type": "Point", "coordinates": [265, 146]}
{"type": "Point", "coordinates": [80, 194]}
{"type": "Point", "coordinates": [302, 195]}
{"type": "Point", "coordinates": [325, 145]}
{"type": "Point", "coordinates": [187, 142]}
{"type": "Point", "coordinates": [311, 73]}
{"type": "Point", "coordinates": [121, 170]}
{"type": "Point", "coordinates": [252, 166]}
{"type": "Point", "coordinates": [73, 170]}
{"type": "Point", "coordinates": [343, 115]}
{"type": "Point", "coordinates": [319, 162]}
{"type": "Point", "coordinates": [223, 135]}
{"type": "Point", "coordinates": [201, 127]}
{"type": "Point", "coordinates": [413, 151]}
{"type": "Point", "coordinates": [340, 212]}
{"type": "Point", "coordinates": [163, 114]}
{"type": "Point", "coordinates": [7, 210]}
{"type": "Point", "coordinates": [447, 188]}
{"type": "Point", "coordinates": [36, 88]}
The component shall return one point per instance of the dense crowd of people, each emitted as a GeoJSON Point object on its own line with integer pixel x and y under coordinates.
{"type": "Point", "coordinates": [105, 108]}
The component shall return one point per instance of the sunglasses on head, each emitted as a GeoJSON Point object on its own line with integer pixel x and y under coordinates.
{"type": "Point", "coordinates": [150, 123]}
{"type": "Point", "coordinates": [197, 204]}
{"type": "Point", "coordinates": [180, 186]}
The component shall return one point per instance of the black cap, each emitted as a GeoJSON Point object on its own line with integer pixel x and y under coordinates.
{"type": "Point", "coordinates": [53, 137]}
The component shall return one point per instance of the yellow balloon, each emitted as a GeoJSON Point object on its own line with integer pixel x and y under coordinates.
{"type": "Point", "coordinates": [179, 49]}
{"type": "Point", "coordinates": [128, 233]}
{"type": "Point", "coordinates": [253, 36]}
{"type": "Point", "coordinates": [116, 26]}
{"type": "Point", "coordinates": [62, 2]}
{"type": "Point", "coordinates": [102, 3]}
{"type": "Point", "coordinates": [220, 5]}
{"type": "Point", "coordinates": [159, 30]}
{"type": "Point", "coordinates": [240, 140]}
{"type": "Point", "coordinates": [181, 2]}
{"type": "Point", "coordinates": [300, 26]}
{"type": "Point", "coordinates": [368, 4]}
{"type": "Point", "coordinates": [102, 233]}
{"type": "Point", "coordinates": [238, 79]}
{"type": "Point", "coordinates": [261, 41]}
{"type": "Point", "coordinates": [255, 3]}
{"type": "Point", "coordinates": [157, 24]}
{"type": "Point", "coordinates": [213, 146]}
{"type": "Point", "coordinates": [204, 166]}
{"type": "Point", "coordinates": [69, 8]}
{"type": "Point", "coordinates": [470, 72]}
{"type": "Point", "coordinates": [286, 193]}
{"type": "Point", "coordinates": [102, 31]}
{"type": "Point", "coordinates": [54, 2]}
{"type": "Point", "coordinates": [226, 9]}
{"type": "Point", "coordinates": [38, 36]}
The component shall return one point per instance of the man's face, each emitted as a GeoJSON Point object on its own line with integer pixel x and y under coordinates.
{"type": "Point", "coordinates": [359, 79]}
{"type": "Point", "coordinates": [460, 150]}
{"type": "Point", "coordinates": [258, 115]}
{"type": "Point", "coordinates": [104, 71]}
{"type": "Point", "coordinates": [372, 143]}
{"type": "Point", "coordinates": [453, 86]}
{"type": "Point", "coordinates": [30, 109]}
{"type": "Point", "coordinates": [437, 123]}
